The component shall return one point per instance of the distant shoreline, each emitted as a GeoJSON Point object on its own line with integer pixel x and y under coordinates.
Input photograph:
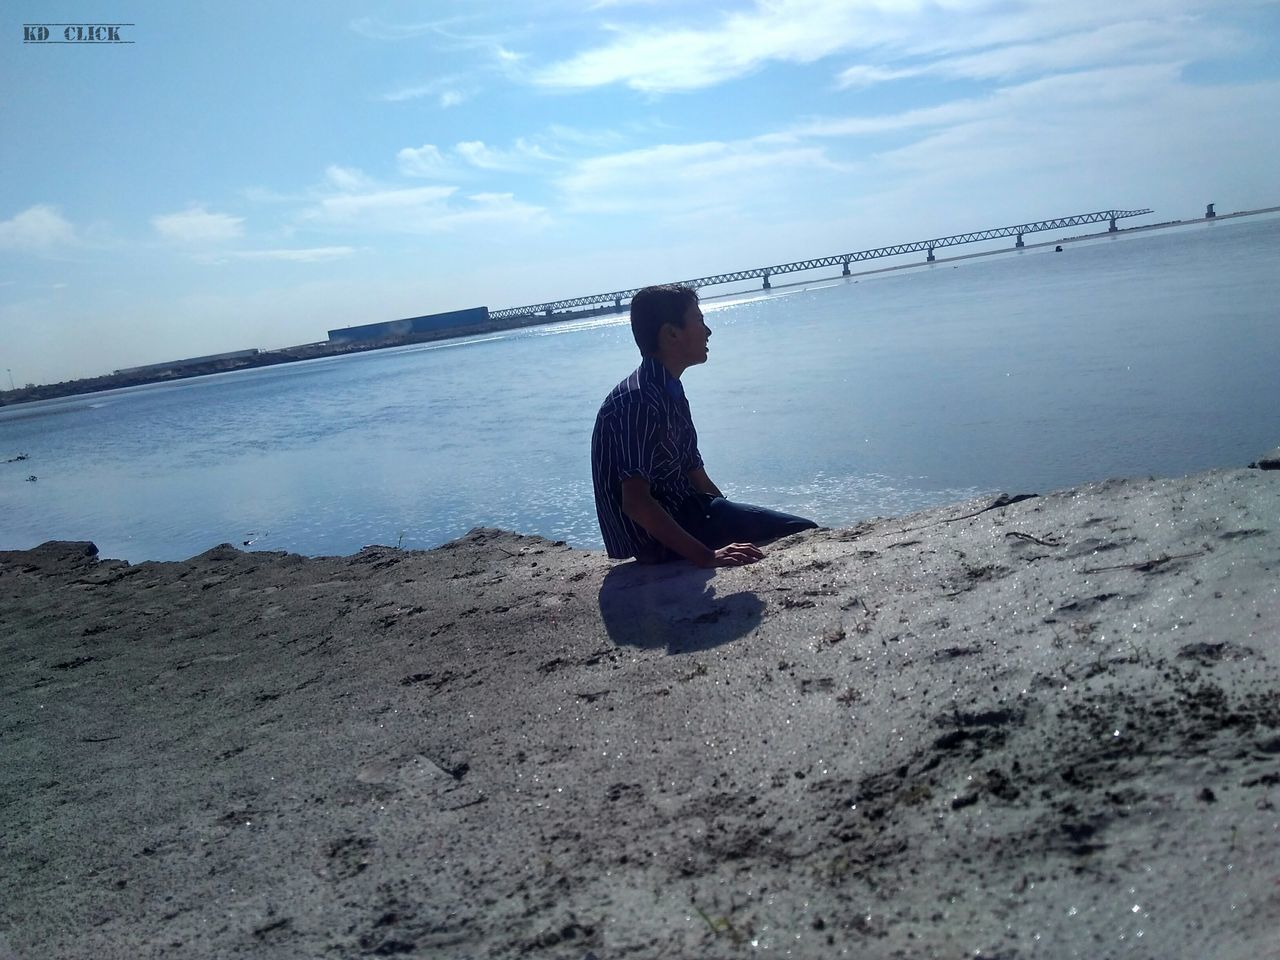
{"type": "Point", "coordinates": [312, 351]}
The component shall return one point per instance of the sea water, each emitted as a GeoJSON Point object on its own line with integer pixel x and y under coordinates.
{"type": "Point", "coordinates": [840, 399]}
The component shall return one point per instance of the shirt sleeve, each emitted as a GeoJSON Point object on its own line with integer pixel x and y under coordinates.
{"type": "Point", "coordinates": [636, 434]}
{"type": "Point", "coordinates": [694, 460]}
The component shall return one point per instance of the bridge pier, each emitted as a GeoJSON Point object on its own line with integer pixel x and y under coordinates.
{"type": "Point", "coordinates": [1112, 228]}
{"type": "Point", "coordinates": [930, 258]}
{"type": "Point", "coordinates": [617, 304]}
{"type": "Point", "coordinates": [1019, 243]}
{"type": "Point", "coordinates": [845, 271]}
{"type": "Point", "coordinates": [766, 283]}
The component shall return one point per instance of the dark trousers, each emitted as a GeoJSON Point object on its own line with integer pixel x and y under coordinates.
{"type": "Point", "coordinates": [718, 522]}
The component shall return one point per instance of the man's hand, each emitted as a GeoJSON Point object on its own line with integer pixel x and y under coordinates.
{"type": "Point", "coordinates": [735, 555]}
{"type": "Point", "coordinates": [639, 505]}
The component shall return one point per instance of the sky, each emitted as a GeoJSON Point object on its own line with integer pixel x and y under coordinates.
{"type": "Point", "coordinates": [253, 175]}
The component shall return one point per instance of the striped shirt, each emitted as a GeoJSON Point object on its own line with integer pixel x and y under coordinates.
{"type": "Point", "coordinates": [643, 429]}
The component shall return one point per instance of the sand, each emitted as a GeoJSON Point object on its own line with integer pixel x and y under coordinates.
{"type": "Point", "coordinates": [1040, 728]}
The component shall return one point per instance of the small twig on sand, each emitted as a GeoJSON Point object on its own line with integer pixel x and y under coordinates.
{"type": "Point", "coordinates": [1003, 500]}
{"type": "Point", "coordinates": [1027, 536]}
{"type": "Point", "coordinates": [1146, 566]}
{"type": "Point", "coordinates": [722, 925]}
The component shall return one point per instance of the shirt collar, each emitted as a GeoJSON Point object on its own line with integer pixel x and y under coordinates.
{"type": "Point", "coordinates": [655, 369]}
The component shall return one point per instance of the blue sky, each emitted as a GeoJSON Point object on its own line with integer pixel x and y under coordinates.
{"type": "Point", "coordinates": [252, 175]}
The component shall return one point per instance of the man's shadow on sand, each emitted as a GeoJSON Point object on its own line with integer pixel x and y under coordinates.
{"type": "Point", "coordinates": [673, 606]}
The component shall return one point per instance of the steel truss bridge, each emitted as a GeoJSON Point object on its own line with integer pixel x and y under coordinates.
{"type": "Point", "coordinates": [618, 297]}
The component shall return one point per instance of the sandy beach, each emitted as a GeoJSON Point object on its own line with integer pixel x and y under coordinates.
{"type": "Point", "coordinates": [1007, 728]}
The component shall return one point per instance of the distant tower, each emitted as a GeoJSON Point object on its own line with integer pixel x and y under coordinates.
{"type": "Point", "coordinates": [1208, 212]}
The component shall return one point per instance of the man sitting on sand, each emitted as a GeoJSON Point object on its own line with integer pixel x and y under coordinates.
{"type": "Point", "coordinates": [653, 496]}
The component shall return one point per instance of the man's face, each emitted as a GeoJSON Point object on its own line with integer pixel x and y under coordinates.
{"type": "Point", "coordinates": [690, 343]}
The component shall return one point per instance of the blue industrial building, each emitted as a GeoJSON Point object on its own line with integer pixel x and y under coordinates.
{"type": "Point", "coordinates": [412, 327]}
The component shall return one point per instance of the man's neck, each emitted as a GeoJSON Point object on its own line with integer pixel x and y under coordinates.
{"type": "Point", "coordinates": [673, 367]}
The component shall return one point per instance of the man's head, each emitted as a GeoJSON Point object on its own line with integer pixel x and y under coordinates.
{"type": "Point", "coordinates": [667, 323]}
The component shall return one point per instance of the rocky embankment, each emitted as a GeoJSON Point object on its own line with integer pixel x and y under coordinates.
{"type": "Point", "coordinates": [1046, 727]}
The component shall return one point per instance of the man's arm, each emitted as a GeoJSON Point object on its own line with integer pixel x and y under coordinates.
{"type": "Point", "coordinates": [639, 505]}
{"type": "Point", "coordinates": [702, 483]}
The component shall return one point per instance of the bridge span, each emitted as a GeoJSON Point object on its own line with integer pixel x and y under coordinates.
{"type": "Point", "coordinates": [617, 297]}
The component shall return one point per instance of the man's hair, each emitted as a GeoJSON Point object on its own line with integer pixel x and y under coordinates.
{"type": "Point", "coordinates": [654, 306]}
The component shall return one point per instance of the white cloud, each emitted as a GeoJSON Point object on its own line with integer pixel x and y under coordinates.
{"type": "Point", "coordinates": [490, 209]}
{"type": "Point", "coordinates": [347, 178]}
{"type": "Point", "coordinates": [981, 24]}
{"type": "Point", "coordinates": [1143, 41]}
{"type": "Point", "coordinates": [496, 58]}
{"type": "Point", "coordinates": [449, 92]}
{"type": "Point", "coordinates": [1126, 136]}
{"type": "Point", "coordinates": [346, 206]}
{"type": "Point", "coordinates": [476, 153]}
{"type": "Point", "coordinates": [197, 225]}
{"type": "Point", "coordinates": [430, 162]}
{"type": "Point", "coordinates": [429, 209]}
{"type": "Point", "coordinates": [1133, 42]}
{"type": "Point", "coordinates": [443, 30]}
{"type": "Point", "coordinates": [1097, 87]}
{"type": "Point", "coordinates": [39, 229]}
{"type": "Point", "coordinates": [297, 255]}
{"type": "Point", "coordinates": [955, 111]}
{"type": "Point", "coordinates": [1131, 136]}
{"type": "Point", "coordinates": [866, 75]}
{"type": "Point", "coordinates": [686, 178]}
{"type": "Point", "coordinates": [598, 139]}
{"type": "Point", "coordinates": [520, 157]}
{"type": "Point", "coordinates": [976, 38]}
{"type": "Point", "coordinates": [410, 93]}
{"type": "Point", "coordinates": [669, 58]}
{"type": "Point", "coordinates": [424, 161]}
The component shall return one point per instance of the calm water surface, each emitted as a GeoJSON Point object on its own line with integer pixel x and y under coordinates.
{"type": "Point", "coordinates": [1155, 353]}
